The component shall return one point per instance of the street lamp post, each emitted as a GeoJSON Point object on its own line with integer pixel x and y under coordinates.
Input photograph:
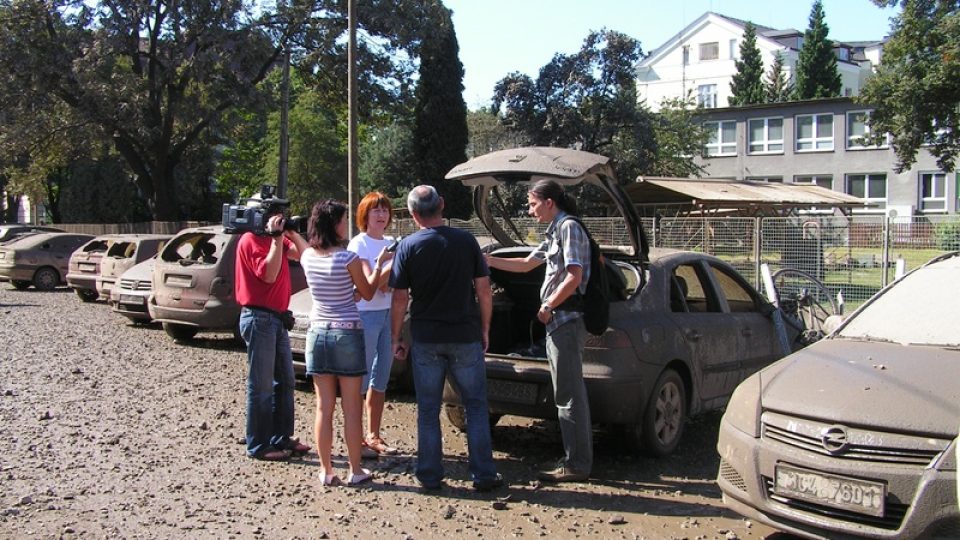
{"type": "Point", "coordinates": [352, 110]}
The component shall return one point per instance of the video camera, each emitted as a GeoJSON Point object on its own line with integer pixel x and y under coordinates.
{"type": "Point", "coordinates": [254, 213]}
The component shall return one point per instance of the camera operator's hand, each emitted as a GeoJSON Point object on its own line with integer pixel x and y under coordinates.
{"type": "Point", "coordinates": [275, 225]}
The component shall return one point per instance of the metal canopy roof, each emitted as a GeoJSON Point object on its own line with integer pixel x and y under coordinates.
{"type": "Point", "coordinates": [740, 196]}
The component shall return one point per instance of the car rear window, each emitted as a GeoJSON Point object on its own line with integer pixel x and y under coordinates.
{"type": "Point", "coordinates": [122, 250]}
{"type": "Point", "coordinates": [195, 248]}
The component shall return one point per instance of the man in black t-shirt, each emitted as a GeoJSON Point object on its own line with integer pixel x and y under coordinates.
{"type": "Point", "coordinates": [444, 272]}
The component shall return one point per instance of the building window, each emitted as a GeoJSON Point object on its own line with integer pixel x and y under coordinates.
{"type": "Point", "coordinates": [858, 130]}
{"type": "Point", "coordinates": [686, 55]}
{"type": "Point", "coordinates": [707, 96]}
{"type": "Point", "coordinates": [709, 51]}
{"type": "Point", "coordinates": [870, 187]}
{"type": "Point", "coordinates": [723, 138]}
{"type": "Point", "coordinates": [733, 49]}
{"type": "Point", "coordinates": [822, 180]}
{"type": "Point", "coordinates": [765, 136]}
{"type": "Point", "coordinates": [843, 54]}
{"type": "Point", "coordinates": [771, 179]}
{"type": "Point", "coordinates": [933, 192]}
{"type": "Point", "coordinates": [814, 132]}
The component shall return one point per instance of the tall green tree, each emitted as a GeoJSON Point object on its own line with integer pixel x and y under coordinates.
{"type": "Point", "coordinates": [440, 115]}
{"type": "Point", "coordinates": [585, 100]}
{"type": "Point", "coordinates": [153, 76]}
{"type": "Point", "coordinates": [489, 134]}
{"type": "Point", "coordinates": [680, 136]}
{"type": "Point", "coordinates": [916, 90]}
{"type": "Point", "coordinates": [817, 74]}
{"type": "Point", "coordinates": [386, 160]}
{"type": "Point", "coordinates": [747, 84]}
{"type": "Point", "coordinates": [777, 87]}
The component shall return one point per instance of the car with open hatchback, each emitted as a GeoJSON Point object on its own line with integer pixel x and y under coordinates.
{"type": "Point", "coordinates": [685, 328]}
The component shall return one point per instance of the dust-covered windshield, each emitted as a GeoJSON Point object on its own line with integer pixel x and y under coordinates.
{"type": "Point", "coordinates": [920, 309]}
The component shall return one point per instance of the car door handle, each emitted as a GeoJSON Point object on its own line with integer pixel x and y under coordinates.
{"type": "Point", "coordinates": [693, 334]}
{"type": "Point", "coordinates": [746, 332]}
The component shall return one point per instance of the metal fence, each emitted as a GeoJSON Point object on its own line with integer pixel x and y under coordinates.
{"type": "Point", "coordinates": [855, 256]}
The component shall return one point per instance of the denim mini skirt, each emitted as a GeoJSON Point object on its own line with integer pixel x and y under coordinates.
{"type": "Point", "coordinates": [335, 351]}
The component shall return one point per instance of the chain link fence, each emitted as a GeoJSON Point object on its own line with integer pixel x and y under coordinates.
{"type": "Point", "coordinates": [854, 256]}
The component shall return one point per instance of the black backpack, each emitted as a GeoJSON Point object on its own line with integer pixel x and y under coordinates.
{"type": "Point", "coordinates": [595, 301]}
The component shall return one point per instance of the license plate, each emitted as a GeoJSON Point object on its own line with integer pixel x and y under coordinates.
{"type": "Point", "coordinates": [88, 267]}
{"type": "Point", "coordinates": [130, 299]}
{"type": "Point", "coordinates": [514, 392]}
{"type": "Point", "coordinates": [851, 494]}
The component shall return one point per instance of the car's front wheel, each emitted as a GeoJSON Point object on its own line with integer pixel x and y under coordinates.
{"type": "Point", "coordinates": [659, 430]}
{"type": "Point", "coordinates": [46, 279]}
{"type": "Point", "coordinates": [87, 295]}
{"type": "Point", "coordinates": [180, 332]}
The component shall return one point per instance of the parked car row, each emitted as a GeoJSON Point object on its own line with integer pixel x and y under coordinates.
{"type": "Point", "coordinates": [183, 281]}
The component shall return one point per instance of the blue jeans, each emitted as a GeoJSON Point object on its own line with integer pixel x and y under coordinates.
{"type": "Point", "coordinates": [379, 349]}
{"type": "Point", "coordinates": [270, 382]}
{"type": "Point", "coordinates": [432, 362]}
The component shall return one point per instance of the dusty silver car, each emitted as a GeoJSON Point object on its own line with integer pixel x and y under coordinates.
{"type": "Point", "coordinates": [856, 435]}
{"type": "Point", "coordinates": [85, 266]}
{"type": "Point", "coordinates": [126, 251]}
{"type": "Point", "coordinates": [39, 259]}
{"type": "Point", "coordinates": [132, 291]}
{"type": "Point", "coordinates": [685, 328]}
{"type": "Point", "coordinates": [193, 281]}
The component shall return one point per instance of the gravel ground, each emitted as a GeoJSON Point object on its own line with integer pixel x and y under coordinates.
{"type": "Point", "coordinates": [113, 430]}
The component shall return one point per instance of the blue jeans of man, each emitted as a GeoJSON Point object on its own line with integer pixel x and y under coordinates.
{"type": "Point", "coordinates": [565, 353]}
{"type": "Point", "coordinates": [270, 381]}
{"type": "Point", "coordinates": [432, 362]}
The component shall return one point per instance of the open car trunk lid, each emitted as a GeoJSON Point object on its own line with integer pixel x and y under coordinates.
{"type": "Point", "coordinates": [528, 165]}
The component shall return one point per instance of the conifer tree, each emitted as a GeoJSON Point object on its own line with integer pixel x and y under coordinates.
{"type": "Point", "coordinates": [777, 85]}
{"type": "Point", "coordinates": [817, 75]}
{"type": "Point", "coordinates": [747, 84]}
{"type": "Point", "coordinates": [440, 115]}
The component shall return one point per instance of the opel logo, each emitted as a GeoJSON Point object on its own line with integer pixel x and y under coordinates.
{"type": "Point", "coordinates": [834, 439]}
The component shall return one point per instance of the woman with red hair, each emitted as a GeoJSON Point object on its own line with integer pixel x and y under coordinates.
{"type": "Point", "coordinates": [374, 215]}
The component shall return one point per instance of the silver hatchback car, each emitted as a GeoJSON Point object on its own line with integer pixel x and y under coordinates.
{"type": "Point", "coordinates": [856, 435]}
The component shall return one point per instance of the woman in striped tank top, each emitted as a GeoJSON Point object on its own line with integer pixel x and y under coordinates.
{"type": "Point", "coordinates": [334, 349]}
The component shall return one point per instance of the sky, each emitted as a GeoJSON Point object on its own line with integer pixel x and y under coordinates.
{"type": "Point", "coordinates": [498, 37]}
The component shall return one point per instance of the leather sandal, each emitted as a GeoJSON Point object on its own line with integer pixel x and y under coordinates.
{"type": "Point", "coordinates": [378, 445]}
{"type": "Point", "coordinates": [297, 448]}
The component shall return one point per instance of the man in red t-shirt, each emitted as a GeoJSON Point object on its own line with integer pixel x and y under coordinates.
{"type": "Point", "coordinates": [263, 289]}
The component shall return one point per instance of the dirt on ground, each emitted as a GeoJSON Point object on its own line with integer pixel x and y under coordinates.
{"type": "Point", "coordinates": [112, 430]}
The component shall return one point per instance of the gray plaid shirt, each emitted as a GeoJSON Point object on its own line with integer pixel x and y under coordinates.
{"type": "Point", "coordinates": [565, 245]}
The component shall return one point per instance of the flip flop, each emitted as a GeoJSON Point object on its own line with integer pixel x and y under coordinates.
{"type": "Point", "coordinates": [329, 480]}
{"type": "Point", "coordinates": [357, 479]}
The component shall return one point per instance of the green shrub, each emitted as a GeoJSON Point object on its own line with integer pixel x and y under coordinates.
{"type": "Point", "coordinates": [947, 236]}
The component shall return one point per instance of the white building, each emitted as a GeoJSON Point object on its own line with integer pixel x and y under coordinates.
{"type": "Point", "coordinates": [699, 60]}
